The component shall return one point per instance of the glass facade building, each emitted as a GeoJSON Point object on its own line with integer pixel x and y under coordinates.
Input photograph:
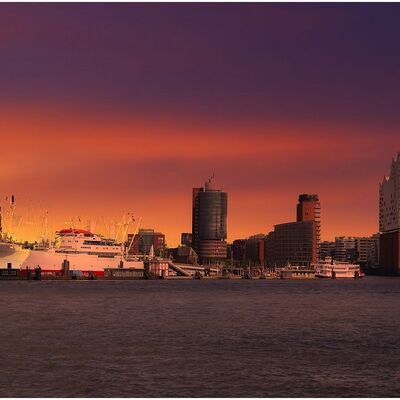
{"type": "Point", "coordinates": [209, 223]}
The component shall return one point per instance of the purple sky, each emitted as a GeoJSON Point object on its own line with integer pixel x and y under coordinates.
{"type": "Point", "coordinates": [298, 97]}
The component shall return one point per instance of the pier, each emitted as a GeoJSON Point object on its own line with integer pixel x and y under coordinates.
{"type": "Point", "coordinates": [157, 268]}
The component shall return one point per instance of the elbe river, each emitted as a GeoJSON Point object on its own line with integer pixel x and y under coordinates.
{"type": "Point", "coordinates": [214, 338]}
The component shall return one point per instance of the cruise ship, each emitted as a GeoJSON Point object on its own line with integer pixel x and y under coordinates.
{"type": "Point", "coordinates": [85, 252]}
{"type": "Point", "coordinates": [330, 268]}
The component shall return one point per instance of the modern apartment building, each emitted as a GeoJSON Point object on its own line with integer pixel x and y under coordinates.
{"type": "Point", "coordinates": [345, 249]}
{"type": "Point", "coordinates": [293, 243]}
{"type": "Point", "coordinates": [326, 249]}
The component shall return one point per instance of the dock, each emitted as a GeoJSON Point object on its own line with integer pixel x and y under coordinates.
{"type": "Point", "coordinates": [155, 269]}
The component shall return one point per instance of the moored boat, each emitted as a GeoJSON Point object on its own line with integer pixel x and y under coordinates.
{"type": "Point", "coordinates": [85, 251]}
{"type": "Point", "coordinates": [329, 268]}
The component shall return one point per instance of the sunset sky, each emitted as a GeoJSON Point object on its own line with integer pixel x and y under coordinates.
{"type": "Point", "coordinates": [125, 107]}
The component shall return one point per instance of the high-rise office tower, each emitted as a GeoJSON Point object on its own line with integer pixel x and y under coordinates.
{"type": "Point", "coordinates": [309, 209]}
{"type": "Point", "coordinates": [389, 220]}
{"type": "Point", "coordinates": [209, 218]}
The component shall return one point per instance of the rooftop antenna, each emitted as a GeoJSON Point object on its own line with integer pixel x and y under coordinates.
{"type": "Point", "coordinates": [207, 184]}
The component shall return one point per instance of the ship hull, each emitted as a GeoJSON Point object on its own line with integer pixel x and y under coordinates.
{"type": "Point", "coordinates": [338, 276]}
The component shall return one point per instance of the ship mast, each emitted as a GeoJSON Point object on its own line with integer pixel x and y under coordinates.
{"type": "Point", "coordinates": [127, 224]}
{"type": "Point", "coordinates": [118, 227]}
{"type": "Point", "coordinates": [133, 236]}
{"type": "Point", "coordinates": [12, 210]}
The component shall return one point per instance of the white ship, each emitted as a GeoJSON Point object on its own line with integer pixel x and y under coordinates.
{"type": "Point", "coordinates": [86, 252]}
{"type": "Point", "coordinates": [330, 268]}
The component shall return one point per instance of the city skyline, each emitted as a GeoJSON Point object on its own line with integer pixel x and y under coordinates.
{"type": "Point", "coordinates": [110, 108]}
{"type": "Point", "coordinates": [199, 200]}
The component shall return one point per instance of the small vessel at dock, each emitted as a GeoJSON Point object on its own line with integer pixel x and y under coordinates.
{"type": "Point", "coordinates": [329, 268]}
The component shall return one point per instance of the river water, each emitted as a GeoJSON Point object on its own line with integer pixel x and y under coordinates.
{"type": "Point", "coordinates": [193, 338]}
